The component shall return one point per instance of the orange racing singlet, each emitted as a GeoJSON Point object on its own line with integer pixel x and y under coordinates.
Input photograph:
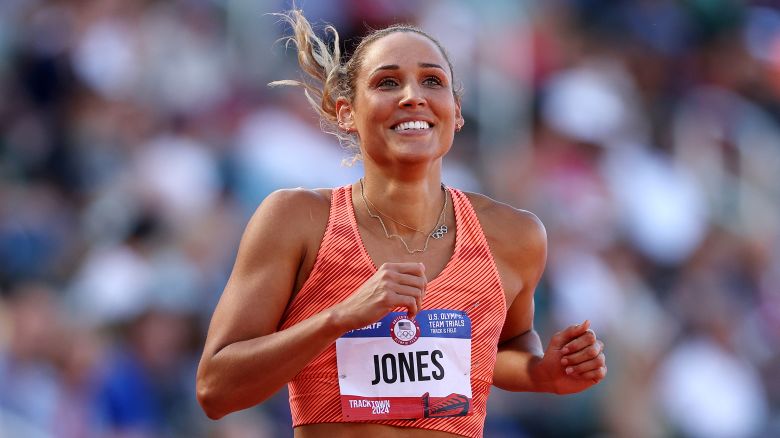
{"type": "Point", "coordinates": [408, 367]}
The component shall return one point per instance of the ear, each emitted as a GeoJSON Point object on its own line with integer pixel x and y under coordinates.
{"type": "Point", "coordinates": [344, 114]}
{"type": "Point", "coordinates": [459, 120]}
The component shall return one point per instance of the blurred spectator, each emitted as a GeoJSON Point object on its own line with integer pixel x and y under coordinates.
{"type": "Point", "coordinates": [146, 389]}
{"type": "Point", "coordinates": [700, 402]}
{"type": "Point", "coordinates": [28, 378]}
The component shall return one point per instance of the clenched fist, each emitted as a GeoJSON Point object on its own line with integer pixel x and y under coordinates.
{"type": "Point", "coordinates": [393, 285]}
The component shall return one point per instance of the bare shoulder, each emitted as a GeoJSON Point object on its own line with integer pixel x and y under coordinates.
{"type": "Point", "coordinates": [287, 202]}
{"type": "Point", "coordinates": [503, 223]}
{"type": "Point", "coordinates": [297, 210]}
{"type": "Point", "coordinates": [287, 223]}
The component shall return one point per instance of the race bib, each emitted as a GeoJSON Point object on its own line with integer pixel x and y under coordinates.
{"type": "Point", "coordinates": [401, 368]}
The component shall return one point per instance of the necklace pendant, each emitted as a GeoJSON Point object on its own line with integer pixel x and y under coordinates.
{"type": "Point", "coordinates": [439, 232]}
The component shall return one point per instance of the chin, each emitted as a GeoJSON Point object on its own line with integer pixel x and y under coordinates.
{"type": "Point", "coordinates": [418, 155]}
{"type": "Point", "coordinates": [408, 151]}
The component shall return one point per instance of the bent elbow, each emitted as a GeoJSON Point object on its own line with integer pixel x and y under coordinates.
{"type": "Point", "coordinates": [219, 396]}
{"type": "Point", "coordinates": [208, 400]}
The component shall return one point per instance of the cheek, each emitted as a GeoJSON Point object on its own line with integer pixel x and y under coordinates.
{"type": "Point", "coordinates": [369, 109]}
{"type": "Point", "coordinates": [380, 107]}
{"type": "Point", "coordinates": [445, 107]}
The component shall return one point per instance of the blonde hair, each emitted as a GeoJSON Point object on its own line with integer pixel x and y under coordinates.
{"type": "Point", "coordinates": [329, 78]}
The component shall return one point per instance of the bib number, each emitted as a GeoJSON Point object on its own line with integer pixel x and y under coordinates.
{"type": "Point", "coordinates": [402, 368]}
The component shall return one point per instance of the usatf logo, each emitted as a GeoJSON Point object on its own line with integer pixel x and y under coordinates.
{"type": "Point", "coordinates": [404, 331]}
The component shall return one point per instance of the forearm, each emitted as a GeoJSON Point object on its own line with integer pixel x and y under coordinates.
{"type": "Point", "coordinates": [515, 368]}
{"type": "Point", "coordinates": [245, 373]}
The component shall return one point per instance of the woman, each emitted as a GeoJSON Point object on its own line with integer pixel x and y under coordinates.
{"type": "Point", "coordinates": [394, 302]}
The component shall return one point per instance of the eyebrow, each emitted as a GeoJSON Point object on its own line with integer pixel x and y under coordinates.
{"type": "Point", "coordinates": [420, 64]}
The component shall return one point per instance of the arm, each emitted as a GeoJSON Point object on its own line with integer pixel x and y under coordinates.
{"type": "Point", "coordinates": [240, 366]}
{"type": "Point", "coordinates": [521, 260]}
{"type": "Point", "coordinates": [237, 367]}
{"type": "Point", "coordinates": [573, 361]}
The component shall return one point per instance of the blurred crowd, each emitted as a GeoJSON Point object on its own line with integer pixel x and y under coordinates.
{"type": "Point", "coordinates": [137, 137]}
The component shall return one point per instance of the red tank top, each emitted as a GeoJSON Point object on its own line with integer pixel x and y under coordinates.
{"type": "Point", "coordinates": [469, 282]}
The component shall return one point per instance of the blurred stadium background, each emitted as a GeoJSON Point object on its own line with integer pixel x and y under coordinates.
{"type": "Point", "coordinates": [136, 138]}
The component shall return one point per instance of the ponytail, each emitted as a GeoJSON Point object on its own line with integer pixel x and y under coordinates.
{"type": "Point", "coordinates": [326, 80]}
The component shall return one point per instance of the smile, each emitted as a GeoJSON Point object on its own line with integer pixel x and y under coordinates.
{"type": "Point", "coordinates": [412, 125]}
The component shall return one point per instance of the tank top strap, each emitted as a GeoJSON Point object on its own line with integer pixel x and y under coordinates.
{"type": "Point", "coordinates": [472, 242]}
{"type": "Point", "coordinates": [467, 221]}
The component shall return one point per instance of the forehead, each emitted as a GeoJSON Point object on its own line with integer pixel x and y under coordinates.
{"type": "Point", "coordinates": [405, 49]}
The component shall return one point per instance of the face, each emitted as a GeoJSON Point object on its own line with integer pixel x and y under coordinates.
{"type": "Point", "coordinates": [404, 110]}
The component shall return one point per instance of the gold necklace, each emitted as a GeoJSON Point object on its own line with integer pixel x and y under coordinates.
{"type": "Point", "coordinates": [390, 217]}
{"type": "Point", "coordinates": [438, 231]}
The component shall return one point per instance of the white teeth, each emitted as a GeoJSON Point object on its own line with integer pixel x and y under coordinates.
{"type": "Point", "coordinates": [417, 124]}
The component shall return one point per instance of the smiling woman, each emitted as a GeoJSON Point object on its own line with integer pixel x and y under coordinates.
{"type": "Point", "coordinates": [331, 79]}
{"type": "Point", "coordinates": [380, 319]}
{"type": "Point", "coordinates": [404, 112]}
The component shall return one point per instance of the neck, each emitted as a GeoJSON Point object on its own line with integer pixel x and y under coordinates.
{"type": "Point", "coordinates": [416, 203]}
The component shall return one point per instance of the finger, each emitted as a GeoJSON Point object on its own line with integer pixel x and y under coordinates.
{"type": "Point", "coordinates": [410, 291]}
{"type": "Point", "coordinates": [390, 278]}
{"type": "Point", "coordinates": [413, 268]}
{"type": "Point", "coordinates": [560, 339]}
{"type": "Point", "coordinates": [410, 303]}
{"type": "Point", "coordinates": [581, 342]}
{"type": "Point", "coordinates": [410, 280]}
{"type": "Point", "coordinates": [413, 279]}
{"type": "Point", "coordinates": [587, 366]}
{"type": "Point", "coordinates": [585, 354]}
{"type": "Point", "coordinates": [595, 375]}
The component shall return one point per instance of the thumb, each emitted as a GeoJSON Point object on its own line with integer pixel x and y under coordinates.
{"type": "Point", "coordinates": [425, 283]}
{"type": "Point", "coordinates": [560, 339]}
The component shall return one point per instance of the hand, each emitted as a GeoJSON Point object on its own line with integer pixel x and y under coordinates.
{"type": "Point", "coordinates": [574, 360]}
{"type": "Point", "coordinates": [393, 285]}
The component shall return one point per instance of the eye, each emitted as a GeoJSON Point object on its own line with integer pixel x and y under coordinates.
{"type": "Point", "coordinates": [432, 81]}
{"type": "Point", "coordinates": [387, 83]}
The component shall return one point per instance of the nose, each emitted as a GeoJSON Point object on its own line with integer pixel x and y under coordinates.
{"type": "Point", "coordinates": [412, 97]}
